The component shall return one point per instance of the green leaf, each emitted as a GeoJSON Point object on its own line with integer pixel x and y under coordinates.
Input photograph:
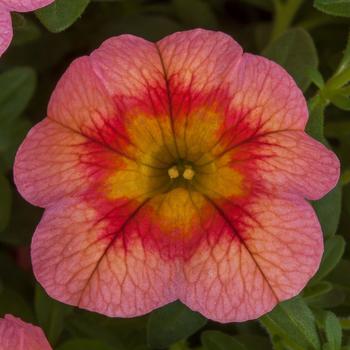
{"type": "Point", "coordinates": [25, 30]}
{"type": "Point", "coordinates": [126, 334]}
{"type": "Point", "coordinates": [61, 14]}
{"type": "Point", "coordinates": [345, 323]}
{"type": "Point", "coordinates": [195, 13]}
{"type": "Point", "coordinates": [84, 344]}
{"type": "Point", "coordinates": [50, 314]}
{"type": "Point", "coordinates": [296, 52]}
{"type": "Point", "coordinates": [215, 340]}
{"type": "Point", "coordinates": [5, 202]}
{"type": "Point", "coordinates": [11, 302]}
{"type": "Point", "coordinates": [333, 252]}
{"type": "Point", "coordinates": [316, 290]}
{"type": "Point", "coordinates": [341, 271]}
{"type": "Point", "coordinates": [344, 63]}
{"type": "Point", "coordinates": [294, 322]}
{"type": "Point", "coordinates": [316, 77]}
{"type": "Point", "coordinates": [334, 7]}
{"type": "Point", "coordinates": [333, 331]}
{"type": "Point", "coordinates": [17, 86]}
{"type": "Point", "coordinates": [262, 4]}
{"type": "Point", "coordinates": [172, 323]}
{"type": "Point", "coordinates": [340, 100]}
{"type": "Point", "coordinates": [328, 211]}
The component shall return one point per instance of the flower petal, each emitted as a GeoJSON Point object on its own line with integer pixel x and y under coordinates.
{"type": "Point", "coordinates": [5, 30]}
{"type": "Point", "coordinates": [66, 151]}
{"type": "Point", "coordinates": [101, 257]}
{"type": "Point", "coordinates": [289, 161]}
{"type": "Point", "coordinates": [54, 162]}
{"type": "Point", "coordinates": [19, 335]}
{"type": "Point", "coordinates": [198, 61]}
{"type": "Point", "coordinates": [254, 255]}
{"type": "Point", "coordinates": [254, 94]}
{"type": "Point", "coordinates": [24, 5]}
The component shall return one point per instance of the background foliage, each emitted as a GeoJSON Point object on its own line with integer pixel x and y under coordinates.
{"type": "Point", "coordinates": [309, 38]}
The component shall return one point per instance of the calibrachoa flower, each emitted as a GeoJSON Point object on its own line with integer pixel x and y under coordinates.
{"type": "Point", "coordinates": [175, 170]}
{"type": "Point", "coordinates": [18, 335]}
{"type": "Point", "coordinates": [6, 6]}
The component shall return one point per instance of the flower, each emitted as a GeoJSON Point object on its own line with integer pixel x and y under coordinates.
{"type": "Point", "coordinates": [19, 335]}
{"type": "Point", "coordinates": [175, 170]}
{"type": "Point", "coordinates": [6, 6]}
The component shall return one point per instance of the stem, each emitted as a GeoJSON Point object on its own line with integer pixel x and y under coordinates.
{"type": "Point", "coordinates": [339, 80]}
{"type": "Point", "coordinates": [284, 15]}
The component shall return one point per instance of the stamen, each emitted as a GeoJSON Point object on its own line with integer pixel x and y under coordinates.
{"type": "Point", "coordinates": [189, 173]}
{"type": "Point", "coordinates": [173, 172]}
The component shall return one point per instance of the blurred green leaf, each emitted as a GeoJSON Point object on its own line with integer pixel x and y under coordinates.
{"type": "Point", "coordinates": [341, 271]}
{"type": "Point", "coordinates": [328, 211]}
{"type": "Point", "coordinates": [344, 63]}
{"type": "Point", "coordinates": [11, 302]}
{"type": "Point", "coordinates": [316, 289]}
{"type": "Point", "coordinates": [316, 77]}
{"type": "Point", "coordinates": [252, 341]}
{"type": "Point", "coordinates": [24, 29]}
{"type": "Point", "coordinates": [215, 340]}
{"type": "Point", "coordinates": [17, 86]}
{"type": "Point", "coordinates": [294, 322]}
{"type": "Point", "coordinates": [296, 52]}
{"type": "Point", "coordinates": [333, 252]}
{"type": "Point", "coordinates": [61, 14]}
{"type": "Point", "coordinates": [345, 323]}
{"type": "Point", "coordinates": [195, 13]}
{"type": "Point", "coordinates": [172, 323]}
{"type": "Point", "coordinates": [18, 279]}
{"type": "Point", "coordinates": [10, 138]}
{"type": "Point", "coordinates": [20, 229]}
{"type": "Point", "coordinates": [126, 334]}
{"type": "Point", "coordinates": [340, 100]}
{"type": "Point", "coordinates": [262, 4]}
{"type": "Point", "coordinates": [333, 331]}
{"type": "Point", "coordinates": [334, 7]}
{"type": "Point", "coordinates": [84, 344]}
{"type": "Point", "coordinates": [50, 314]}
{"type": "Point", "coordinates": [5, 202]}
{"type": "Point", "coordinates": [333, 298]}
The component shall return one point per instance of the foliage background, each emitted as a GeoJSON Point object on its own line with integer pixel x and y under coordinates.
{"type": "Point", "coordinates": [309, 38]}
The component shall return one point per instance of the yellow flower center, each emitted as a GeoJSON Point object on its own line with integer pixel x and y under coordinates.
{"type": "Point", "coordinates": [176, 170]}
{"type": "Point", "coordinates": [186, 171]}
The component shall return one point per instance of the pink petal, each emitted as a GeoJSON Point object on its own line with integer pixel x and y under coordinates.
{"type": "Point", "coordinates": [257, 95]}
{"type": "Point", "coordinates": [59, 154]}
{"type": "Point", "coordinates": [101, 257]}
{"type": "Point", "coordinates": [254, 255]}
{"type": "Point", "coordinates": [18, 335]}
{"type": "Point", "coordinates": [54, 162]}
{"type": "Point", "coordinates": [24, 5]}
{"type": "Point", "coordinates": [5, 30]}
{"type": "Point", "coordinates": [288, 161]}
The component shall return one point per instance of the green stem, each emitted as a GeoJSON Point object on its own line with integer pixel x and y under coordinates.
{"type": "Point", "coordinates": [284, 15]}
{"type": "Point", "coordinates": [339, 80]}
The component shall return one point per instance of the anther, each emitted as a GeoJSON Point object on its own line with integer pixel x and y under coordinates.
{"type": "Point", "coordinates": [173, 172]}
{"type": "Point", "coordinates": [189, 173]}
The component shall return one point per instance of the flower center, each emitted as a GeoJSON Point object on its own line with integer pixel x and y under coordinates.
{"type": "Point", "coordinates": [181, 170]}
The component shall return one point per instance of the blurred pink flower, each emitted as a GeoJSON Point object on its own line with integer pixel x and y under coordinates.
{"type": "Point", "coordinates": [18, 335]}
{"type": "Point", "coordinates": [6, 6]}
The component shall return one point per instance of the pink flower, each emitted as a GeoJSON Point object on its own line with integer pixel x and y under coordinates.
{"type": "Point", "coordinates": [175, 170]}
{"type": "Point", "coordinates": [18, 335]}
{"type": "Point", "coordinates": [6, 6]}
